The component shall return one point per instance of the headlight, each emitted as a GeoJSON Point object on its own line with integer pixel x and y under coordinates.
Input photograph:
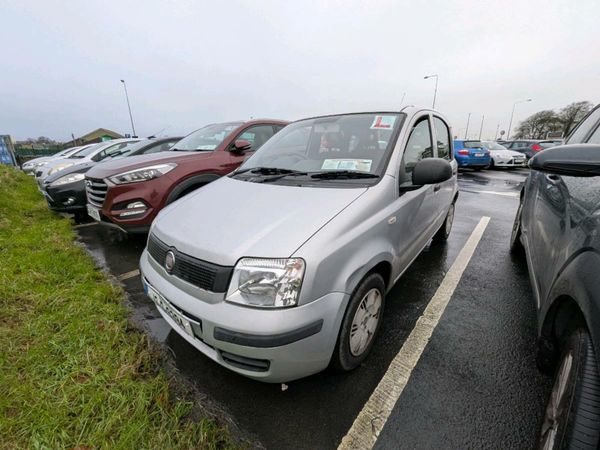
{"type": "Point", "coordinates": [266, 283]}
{"type": "Point", "coordinates": [43, 163]}
{"type": "Point", "coordinates": [71, 178]}
{"type": "Point", "coordinates": [59, 168]}
{"type": "Point", "coordinates": [143, 174]}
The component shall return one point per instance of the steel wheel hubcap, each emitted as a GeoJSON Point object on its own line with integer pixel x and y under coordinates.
{"type": "Point", "coordinates": [556, 406]}
{"type": "Point", "coordinates": [365, 322]}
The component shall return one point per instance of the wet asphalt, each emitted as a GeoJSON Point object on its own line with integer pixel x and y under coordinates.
{"type": "Point", "coordinates": [475, 386]}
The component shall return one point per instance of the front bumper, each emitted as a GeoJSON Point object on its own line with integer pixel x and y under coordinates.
{"type": "Point", "coordinates": [151, 193]}
{"type": "Point", "coordinates": [274, 346]}
{"type": "Point", "coordinates": [510, 162]}
{"type": "Point", "coordinates": [66, 198]}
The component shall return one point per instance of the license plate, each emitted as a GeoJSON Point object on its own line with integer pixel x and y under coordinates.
{"type": "Point", "coordinates": [164, 304]}
{"type": "Point", "coordinates": [93, 212]}
{"type": "Point", "coordinates": [478, 155]}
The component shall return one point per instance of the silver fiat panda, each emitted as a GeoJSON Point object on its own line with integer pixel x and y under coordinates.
{"type": "Point", "coordinates": [281, 268]}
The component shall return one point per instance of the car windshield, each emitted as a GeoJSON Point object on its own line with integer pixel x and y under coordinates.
{"type": "Point", "coordinates": [348, 143]}
{"type": "Point", "coordinates": [473, 144]}
{"type": "Point", "coordinates": [491, 145]}
{"type": "Point", "coordinates": [206, 139]}
{"type": "Point", "coordinates": [86, 151]}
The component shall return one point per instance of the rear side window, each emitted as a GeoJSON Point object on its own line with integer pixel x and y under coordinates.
{"type": "Point", "coordinates": [579, 134]}
{"type": "Point", "coordinates": [473, 144]}
{"type": "Point", "coordinates": [257, 135]}
{"type": "Point", "coordinates": [442, 134]}
{"type": "Point", "coordinates": [595, 138]}
{"type": "Point", "coordinates": [418, 147]}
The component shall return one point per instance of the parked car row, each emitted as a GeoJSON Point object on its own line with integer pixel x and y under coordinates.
{"type": "Point", "coordinates": [278, 266]}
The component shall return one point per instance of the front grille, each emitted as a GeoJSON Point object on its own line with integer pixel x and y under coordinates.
{"type": "Point", "coordinates": [205, 275]}
{"type": "Point", "coordinates": [95, 190]}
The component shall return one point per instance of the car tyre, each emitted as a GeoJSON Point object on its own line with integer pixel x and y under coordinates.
{"type": "Point", "coordinates": [361, 324]}
{"type": "Point", "coordinates": [444, 232]}
{"type": "Point", "coordinates": [572, 418]}
{"type": "Point", "coordinates": [492, 165]}
{"type": "Point", "coordinates": [516, 246]}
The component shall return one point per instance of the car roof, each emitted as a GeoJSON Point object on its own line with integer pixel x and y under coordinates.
{"type": "Point", "coordinates": [409, 110]}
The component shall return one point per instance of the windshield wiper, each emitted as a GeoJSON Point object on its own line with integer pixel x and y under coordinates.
{"type": "Point", "coordinates": [266, 171]}
{"type": "Point", "coordinates": [336, 174]}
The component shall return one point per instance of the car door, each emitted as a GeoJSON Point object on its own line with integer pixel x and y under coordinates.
{"type": "Point", "coordinates": [443, 150]}
{"type": "Point", "coordinates": [257, 135]}
{"type": "Point", "coordinates": [415, 211]}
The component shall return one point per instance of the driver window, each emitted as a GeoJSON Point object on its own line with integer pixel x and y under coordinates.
{"type": "Point", "coordinates": [418, 147]}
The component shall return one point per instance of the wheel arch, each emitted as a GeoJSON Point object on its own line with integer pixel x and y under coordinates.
{"type": "Point", "coordinates": [188, 184]}
{"type": "Point", "coordinates": [575, 301]}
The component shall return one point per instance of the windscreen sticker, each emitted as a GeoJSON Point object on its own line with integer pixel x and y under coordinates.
{"type": "Point", "coordinates": [383, 123]}
{"type": "Point", "coordinates": [361, 165]}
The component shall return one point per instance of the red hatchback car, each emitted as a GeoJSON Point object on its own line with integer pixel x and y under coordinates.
{"type": "Point", "coordinates": [130, 192]}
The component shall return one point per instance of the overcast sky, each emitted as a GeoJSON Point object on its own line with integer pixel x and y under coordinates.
{"type": "Point", "coordinates": [191, 62]}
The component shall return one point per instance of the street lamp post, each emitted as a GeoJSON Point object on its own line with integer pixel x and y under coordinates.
{"type": "Point", "coordinates": [435, 91]}
{"type": "Point", "coordinates": [128, 107]}
{"type": "Point", "coordinates": [513, 113]}
{"type": "Point", "coordinates": [467, 129]}
{"type": "Point", "coordinates": [481, 127]}
{"type": "Point", "coordinates": [497, 129]}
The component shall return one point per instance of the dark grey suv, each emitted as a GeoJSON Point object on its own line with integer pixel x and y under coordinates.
{"type": "Point", "coordinates": [557, 227]}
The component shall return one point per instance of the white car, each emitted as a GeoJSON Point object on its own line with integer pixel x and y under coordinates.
{"type": "Point", "coordinates": [503, 157]}
{"type": "Point", "coordinates": [31, 166]}
{"type": "Point", "coordinates": [93, 152]}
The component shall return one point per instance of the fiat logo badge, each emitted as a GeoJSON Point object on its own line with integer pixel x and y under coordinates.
{"type": "Point", "coordinates": [169, 261]}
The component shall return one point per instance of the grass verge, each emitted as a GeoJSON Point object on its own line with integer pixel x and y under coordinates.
{"type": "Point", "coordinates": [73, 373]}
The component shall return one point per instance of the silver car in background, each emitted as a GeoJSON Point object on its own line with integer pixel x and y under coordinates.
{"type": "Point", "coordinates": [92, 152]}
{"type": "Point", "coordinates": [281, 268]}
{"type": "Point", "coordinates": [31, 166]}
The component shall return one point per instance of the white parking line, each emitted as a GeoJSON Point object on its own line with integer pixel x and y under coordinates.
{"type": "Point", "coordinates": [128, 275]}
{"type": "Point", "coordinates": [505, 194]}
{"type": "Point", "coordinates": [371, 419]}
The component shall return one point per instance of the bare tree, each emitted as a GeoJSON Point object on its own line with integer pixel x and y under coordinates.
{"type": "Point", "coordinates": [572, 114]}
{"type": "Point", "coordinates": [538, 125]}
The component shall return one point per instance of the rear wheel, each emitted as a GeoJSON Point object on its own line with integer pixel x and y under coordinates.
{"type": "Point", "coordinates": [492, 164]}
{"type": "Point", "coordinates": [361, 324]}
{"type": "Point", "coordinates": [444, 232]}
{"type": "Point", "coordinates": [572, 418]}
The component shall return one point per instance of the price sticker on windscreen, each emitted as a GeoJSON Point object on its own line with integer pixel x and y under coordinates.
{"type": "Point", "coordinates": [383, 123]}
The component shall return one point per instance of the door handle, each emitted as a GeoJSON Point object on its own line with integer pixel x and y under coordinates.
{"type": "Point", "coordinates": [437, 187]}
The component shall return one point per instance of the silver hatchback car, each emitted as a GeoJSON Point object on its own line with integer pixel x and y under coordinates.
{"type": "Point", "coordinates": [280, 269]}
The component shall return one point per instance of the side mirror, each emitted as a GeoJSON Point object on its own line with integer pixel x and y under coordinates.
{"type": "Point", "coordinates": [576, 160]}
{"type": "Point", "coordinates": [431, 171]}
{"type": "Point", "coordinates": [240, 146]}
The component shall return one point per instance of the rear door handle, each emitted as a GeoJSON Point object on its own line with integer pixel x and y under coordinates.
{"type": "Point", "coordinates": [437, 187]}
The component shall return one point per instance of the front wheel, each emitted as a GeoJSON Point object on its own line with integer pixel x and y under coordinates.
{"type": "Point", "coordinates": [516, 246]}
{"type": "Point", "coordinates": [572, 418]}
{"type": "Point", "coordinates": [361, 324]}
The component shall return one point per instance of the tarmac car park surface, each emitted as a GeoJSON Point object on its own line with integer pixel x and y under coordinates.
{"type": "Point", "coordinates": [475, 384]}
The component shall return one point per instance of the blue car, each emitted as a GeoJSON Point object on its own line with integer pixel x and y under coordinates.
{"type": "Point", "coordinates": [471, 154]}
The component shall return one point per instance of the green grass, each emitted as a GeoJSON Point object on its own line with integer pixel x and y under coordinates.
{"type": "Point", "coordinates": [73, 372]}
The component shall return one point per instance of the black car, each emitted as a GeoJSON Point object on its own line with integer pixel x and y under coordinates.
{"type": "Point", "coordinates": [557, 227]}
{"type": "Point", "coordinates": [65, 190]}
{"type": "Point", "coordinates": [530, 147]}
